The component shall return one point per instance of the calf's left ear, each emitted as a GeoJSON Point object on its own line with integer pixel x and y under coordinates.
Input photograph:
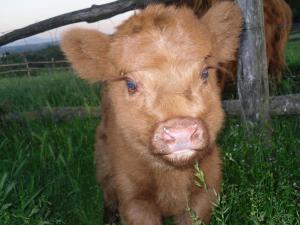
{"type": "Point", "coordinates": [224, 20]}
{"type": "Point", "coordinates": [88, 51]}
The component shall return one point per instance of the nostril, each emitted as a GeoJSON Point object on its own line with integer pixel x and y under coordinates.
{"type": "Point", "coordinates": [195, 133]}
{"type": "Point", "coordinates": [167, 136]}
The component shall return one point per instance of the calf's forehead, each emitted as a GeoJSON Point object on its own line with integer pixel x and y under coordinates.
{"type": "Point", "coordinates": [178, 43]}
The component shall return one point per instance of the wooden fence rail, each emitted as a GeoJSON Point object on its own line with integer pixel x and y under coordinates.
{"type": "Point", "coordinates": [29, 66]}
{"type": "Point", "coordinates": [279, 106]}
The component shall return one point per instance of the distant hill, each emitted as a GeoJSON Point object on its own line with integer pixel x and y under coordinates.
{"type": "Point", "coordinates": [26, 47]}
{"type": "Point", "coordinates": [29, 44]}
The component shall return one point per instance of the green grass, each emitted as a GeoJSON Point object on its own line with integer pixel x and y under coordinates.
{"type": "Point", "coordinates": [292, 54]}
{"type": "Point", "coordinates": [58, 89]}
{"type": "Point", "coordinates": [291, 78]}
{"type": "Point", "coordinates": [261, 184]}
{"type": "Point", "coordinates": [47, 175]}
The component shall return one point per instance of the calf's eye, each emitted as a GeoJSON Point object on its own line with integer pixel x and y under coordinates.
{"type": "Point", "coordinates": [204, 74]}
{"type": "Point", "coordinates": [131, 86]}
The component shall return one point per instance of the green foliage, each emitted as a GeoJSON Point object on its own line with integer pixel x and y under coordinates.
{"type": "Point", "coordinates": [292, 54]}
{"type": "Point", "coordinates": [12, 58]}
{"type": "Point", "coordinates": [261, 184]}
{"type": "Point", "coordinates": [58, 89]}
{"type": "Point", "coordinates": [199, 182]}
{"type": "Point", "coordinates": [194, 217]}
{"type": "Point", "coordinates": [291, 78]}
{"type": "Point", "coordinates": [45, 54]}
{"type": "Point", "coordinates": [47, 174]}
{"type": "Point", "coordinates": [200, 179]}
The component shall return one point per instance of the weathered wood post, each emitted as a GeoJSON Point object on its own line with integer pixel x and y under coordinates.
{"type": "Point", "coordinates": [27, 67]}
{"type": "Point", "coordinates": [252, 83]}
{"type": "Point", "coordinates": [52, 65]}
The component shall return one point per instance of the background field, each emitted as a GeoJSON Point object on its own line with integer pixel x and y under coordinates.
{"type": "Point", "coordinates": [47, 170]}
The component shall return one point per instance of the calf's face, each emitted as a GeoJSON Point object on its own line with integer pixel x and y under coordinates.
{"type": "Point", "coordinates": [160, 72]}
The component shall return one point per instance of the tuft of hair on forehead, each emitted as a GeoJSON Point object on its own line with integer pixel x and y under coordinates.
{"type": "Point", "coordinates": [219, 28]}
{"type": "Point", "coordinates": [200, 7]}
{"type": "Point", "coordinates": [159, 35]}
{"type": "Point", "coordinates": [156, 17]}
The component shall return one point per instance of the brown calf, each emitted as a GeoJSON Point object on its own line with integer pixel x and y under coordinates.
{"type": "Point", "coordinates": [278, 22]}
{"type": "Point", "coordinates": [161, 109]}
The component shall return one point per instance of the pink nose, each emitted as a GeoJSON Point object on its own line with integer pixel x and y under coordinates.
{"type": "Point", "coordinates": [180, 137]}
{"type": "Point", "coordinates": [180, 134]}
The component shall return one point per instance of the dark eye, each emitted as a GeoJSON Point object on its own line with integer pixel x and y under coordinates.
{"type": "Point", "coordinates": [131, 86]}
{"type": "Point", "coordinates": [204, 74]}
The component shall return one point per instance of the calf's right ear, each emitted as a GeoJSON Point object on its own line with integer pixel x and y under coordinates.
{"type": "Point", "coordinates": [224, 20]}
{"type": "Point", "coordinates": [87, 50]}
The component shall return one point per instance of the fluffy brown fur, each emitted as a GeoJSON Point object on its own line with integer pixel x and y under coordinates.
{"type": "Point", "coordinates": [278, 21]}
{"type": "Point", "coordinates": [165, 51]}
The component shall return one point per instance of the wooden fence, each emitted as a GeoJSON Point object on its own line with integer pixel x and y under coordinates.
{"type": "Point", "coordinates": [28, 67]}
{"type": "Point", "coordinates": [279, 106]}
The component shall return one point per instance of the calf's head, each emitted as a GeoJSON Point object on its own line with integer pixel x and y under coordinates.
{"type": "Point", "coordinates": [159, 67]}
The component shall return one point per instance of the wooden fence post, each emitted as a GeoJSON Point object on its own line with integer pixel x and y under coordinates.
{"type": "Point", "coordinates": [52, 63]}
{"type": "Point", "coordinates": [253, 85]}
{"type": "Point", "coordinates": [27, 67]}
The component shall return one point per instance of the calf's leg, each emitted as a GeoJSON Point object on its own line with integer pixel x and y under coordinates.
{"type": "Point", "coordinates": [110, 215]}
{"type": "Point", "coordinates": [105, 178]}
{"type": "Point", "coordinates": [138, 212]}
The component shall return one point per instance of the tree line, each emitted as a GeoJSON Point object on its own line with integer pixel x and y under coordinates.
{"type": "Point", "coordinates": [46, 54]}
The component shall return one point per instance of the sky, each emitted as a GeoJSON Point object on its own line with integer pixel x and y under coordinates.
{"type": "Point", "coordinates": [16, 14]}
